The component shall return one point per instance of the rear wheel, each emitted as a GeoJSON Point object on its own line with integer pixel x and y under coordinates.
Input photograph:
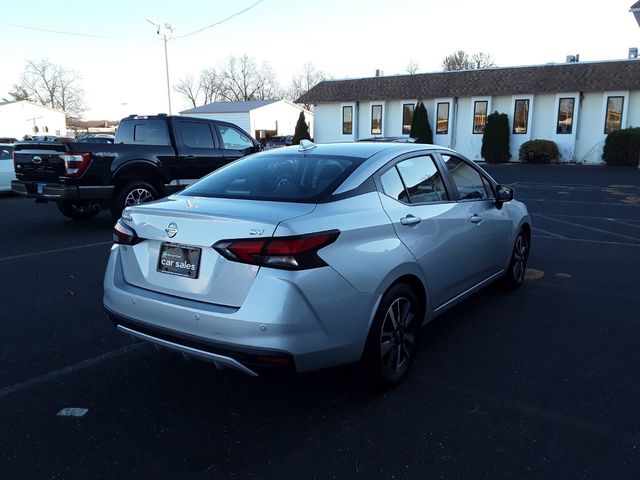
{"type": "Point", "coordinates": [518, 265]}
{"type": "Point", "coordinates": [78, 210]}
{"type": "Point", "coordinates": [133, 193]}
{"type": "Point", "coordinates": [391, 345]}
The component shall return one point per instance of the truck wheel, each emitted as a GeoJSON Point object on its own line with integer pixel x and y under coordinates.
{"type": "Point", "coordinates": [133, 193]}
{"type": "Point", "coordinates": [78, 210]}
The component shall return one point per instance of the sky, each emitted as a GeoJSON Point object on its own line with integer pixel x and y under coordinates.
{"type": "Point", "coordinates": [120, 58]}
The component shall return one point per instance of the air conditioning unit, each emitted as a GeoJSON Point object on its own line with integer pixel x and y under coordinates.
{"type": "Point", "coordinates": [633, 53]}
{"type": "Point", "coordinates": [573, 58]}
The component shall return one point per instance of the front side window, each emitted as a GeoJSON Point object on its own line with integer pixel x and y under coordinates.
{"type": "Point", "coordinates": [480, 115]}
{"type": "Point", "coordinates": [565, 116]}
{"type": "Point", "coordinates": [442, 119]}
{"type": "Point", "coordinates": [195, 135]}
{"type": "Point", "coordinates": [376, 120]}
{"type": "Point", "coordinates": [407, 117]}
{"type": "Point", "coordinates": [521, 116]}
{"type": "Point", "coordinates": [234, 139]}
{"type": "Point", "coordinates": [422, 180]}
{"type": "Point", "coordinates": [468, 181]}
{"type": "Point", "coordinates": [347, 120]}
{"type": "Point", "coordinates": [613, 118]}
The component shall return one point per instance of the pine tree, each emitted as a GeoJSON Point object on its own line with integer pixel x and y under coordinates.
{"type": "Point", "coordinates": [302, 130]}
{"type": "Point", "coordinates": [420, 127]}
{"type": "Point", "coordinates": [495, 140]}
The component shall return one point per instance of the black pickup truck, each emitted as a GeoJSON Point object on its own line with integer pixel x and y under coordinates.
{"type": "Point", "coordinates": [152, 156]}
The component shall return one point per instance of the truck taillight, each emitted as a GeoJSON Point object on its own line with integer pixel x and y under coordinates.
{"type": "Point", "coordinates": [289, 253]}
{"type": "Point", "coordinates": [75, 163]}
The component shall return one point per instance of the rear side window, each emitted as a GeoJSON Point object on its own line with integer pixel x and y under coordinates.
{"type": "Point", "coordinates": [468, 181]}
{"type": "Point", "coordinates": [143, 132]}
{"type": "Point", "coordinates": [292, 178]}
{"type": "Point", "coordinates": [422, 180]}
{"type": "Point", "coordinates": [195, 134]}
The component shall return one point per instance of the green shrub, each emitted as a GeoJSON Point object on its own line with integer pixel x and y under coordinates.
{"type": "Point", "coordinates": [622, 147]}
{"type": "Point", "coordinates": [420, 126]}
{"type": "Point", "coordinates": [495, 140]}
{"type": "Point", "coordinates": [539, 151]}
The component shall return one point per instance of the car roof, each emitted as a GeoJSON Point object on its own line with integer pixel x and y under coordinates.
{"type": "Point", "coordinates": [356, 149]}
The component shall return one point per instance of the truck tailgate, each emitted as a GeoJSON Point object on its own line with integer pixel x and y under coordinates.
{"type": "Point", "coordinates": [39, 161]}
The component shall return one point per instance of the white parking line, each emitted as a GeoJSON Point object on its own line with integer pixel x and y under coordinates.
{"type": "Point", "coordinates": [593, 229]}
{"type": "Point", "coordinates": [584, 240]}
{"type": "Point", "coordinates": [555, 235]}
{"type": "Point", "coordinates": [56, 250]}
{"type": "Point", "coordinates": [11, 389]}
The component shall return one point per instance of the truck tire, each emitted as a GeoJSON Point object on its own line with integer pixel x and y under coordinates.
{"type": "Point", "coordinates": [78, 210]}
{"type": "Point", "coordinates": [133, 193]}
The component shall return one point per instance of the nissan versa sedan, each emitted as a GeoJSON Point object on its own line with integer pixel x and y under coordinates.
{"type": "Point", "coordinates": [312, 256]}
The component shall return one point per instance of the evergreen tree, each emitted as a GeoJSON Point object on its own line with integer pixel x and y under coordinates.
{"type": "Point", "coordinates": [420, 127]}
{"type": "Point", "coordinates": [495, 140]}
{"type": "Point", "coordinates": [302, 130]}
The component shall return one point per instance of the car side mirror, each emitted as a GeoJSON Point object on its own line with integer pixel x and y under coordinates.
{"type": "Point", "coordinates": [504, 194]}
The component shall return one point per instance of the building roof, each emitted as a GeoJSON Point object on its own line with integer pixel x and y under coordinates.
{"type": "Point", "coordinates": [565, 77]}
{"type": "Point", "coordinates": [230, 107]}
{"type": "Point", "coordinates": [635, 6]}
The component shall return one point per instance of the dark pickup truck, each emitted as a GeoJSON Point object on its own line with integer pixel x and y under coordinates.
{"type": "Point", "coordinates": [152, 156]}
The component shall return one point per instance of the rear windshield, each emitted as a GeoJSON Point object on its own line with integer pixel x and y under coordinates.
{"type": "Point", "coordinates": [287, 178]}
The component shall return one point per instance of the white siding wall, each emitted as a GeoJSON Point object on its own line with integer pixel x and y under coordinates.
{"type": "Point", "coordinates": [590, 127]}
{"type": "Point", "coordinates": [633, 120]}
{"type": "Point", "coordinates": [446, 140]}
{"type": "Point", "coordinates": [18, 119]}
{"type": "Point", "coordinates": [279, 116]}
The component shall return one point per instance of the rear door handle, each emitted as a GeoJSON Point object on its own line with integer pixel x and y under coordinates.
{"type": "Point", "coordinates": [410, 220]}
{"type": "Point", "coordinates": [475, 218]}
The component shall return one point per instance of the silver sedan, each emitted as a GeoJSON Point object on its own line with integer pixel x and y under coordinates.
{"type": "Point", "coordinates": [314, 255]}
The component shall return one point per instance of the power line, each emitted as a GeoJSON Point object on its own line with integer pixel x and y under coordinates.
{"type": "Point", "coordinates": [221, 21]}
{"type": "Point", "coordinates": [39, 29]}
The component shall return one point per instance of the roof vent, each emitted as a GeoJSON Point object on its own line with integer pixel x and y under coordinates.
{"type": "Point", "coordinates": [633, 53]}
{"type": "Point", "coordinates": [573, 58]}
{"type": "Point", "coordinates": [306, 146]}
{"type": "Point", "coordinates": [379, 73]}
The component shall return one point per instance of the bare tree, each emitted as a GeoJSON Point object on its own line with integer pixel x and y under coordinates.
{"type": "Point", "coordinates": [50, 85]}
{"type": "Point", "coordinates": [188, 88]}
{"type": "Point", "coordinates": [243, 79]}
{"type": "Point", "coordinates": [304, 81]}
{"type": "Point", "coordinates": [211, 85]}
{"type": "Point", "coordinates": [461, 60]}
{"type": "Point", "coordinates": [412, 67]}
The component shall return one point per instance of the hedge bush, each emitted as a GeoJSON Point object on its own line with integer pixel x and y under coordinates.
{"type": "Point", "coordinates": [420, 126]}
{"type": "Point", "coordinates": [495, 140]}
{"type": "Point", "coordinates": [539, 151]}
{"type": "Point", "coordinates": [622, 147]}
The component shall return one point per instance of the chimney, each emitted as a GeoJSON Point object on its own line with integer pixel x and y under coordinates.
{"type": "Point", "coordinates": [379, 73]}
{"type": "Point", "coordinates": [573, 58]}
{"type": "Point", "coordinates": [633, 53]}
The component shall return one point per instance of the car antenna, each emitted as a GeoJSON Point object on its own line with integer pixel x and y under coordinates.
{"type": "Point", "coordinates": [306, 146]}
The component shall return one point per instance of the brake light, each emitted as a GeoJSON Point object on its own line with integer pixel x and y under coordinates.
{"type": "Point", "coordinates": [75, 163]}
{"type": "Point", "coordinates": [289, 253]}
{"type": "Point", "coordinates": [124, 234]}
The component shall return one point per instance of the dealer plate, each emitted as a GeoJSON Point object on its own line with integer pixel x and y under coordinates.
{"type": "Point", "coordinates": [181, 260]}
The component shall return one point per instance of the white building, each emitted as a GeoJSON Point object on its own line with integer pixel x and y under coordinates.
{"type": "Point", "coordinates": [574, 104]}
{"type": "Point", "coordinates": [21, 118]}
{"type": "Point", "coordinates": [260, 118]}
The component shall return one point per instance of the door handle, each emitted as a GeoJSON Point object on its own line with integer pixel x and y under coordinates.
{"type": "Point", "coordinates": [190, 157]}
{"type": "Point", "coordinates": [410, 220]}
{"type": "Point", "coordinates": [475, 218]}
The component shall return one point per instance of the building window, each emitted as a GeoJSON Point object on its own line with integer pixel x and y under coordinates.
{"type": "Point", "coordinates": [347, 120]}
{"type": "Point", "coordinates": [613, 119]}
{"type": "Point", "coordinates": [407, 117]}
{"type": "Point", "coordinates": [565, 116]}
{"type": "Point", "coordinates": [376, 120]}
{"type": "Point", "coordinates": [521, 116]}
{"type": "Point", "coordinates": [442, 119]}
{"type": "Point", "coordinates": [480, 115]}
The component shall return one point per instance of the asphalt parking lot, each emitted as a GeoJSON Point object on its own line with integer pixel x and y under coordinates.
{"type": "Point", "coordinates": [543, 382]}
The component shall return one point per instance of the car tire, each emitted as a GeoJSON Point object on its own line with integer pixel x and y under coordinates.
{"type": "Point", "coordinates": [514, 277]}
{"type": "Point", "coordinates": [133, 193]}
{"type": "Point", "coordinates": [78, 210]}
{"type": "Point", "coordinates": [391, 344]}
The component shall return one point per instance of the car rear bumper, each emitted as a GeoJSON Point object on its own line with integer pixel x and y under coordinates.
{"type": "Point", "coordinates": [56, 191]}
{"type": "Point", "coordinates": [313, 318]}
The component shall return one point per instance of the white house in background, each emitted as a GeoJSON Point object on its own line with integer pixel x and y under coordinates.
{"type": "Point", "coordinates": [260, 118]}
{"type": "Point", "coordinates": [21, 118]}
{"type": "Point", "coordinates": [574, 104]}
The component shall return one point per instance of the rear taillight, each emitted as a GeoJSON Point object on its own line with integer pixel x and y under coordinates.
{"type": "Point", "coordinates": [75, 163]}
{"type": "Point", "coordinates": [290, 253]}
{"type": "Point", "coordinates": [124, 234]}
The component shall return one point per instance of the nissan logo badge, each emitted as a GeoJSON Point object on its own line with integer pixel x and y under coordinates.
{"type": "Point", "coordinates": [171, 230]}
{"type": "Point", "coordinates": [36, 159]}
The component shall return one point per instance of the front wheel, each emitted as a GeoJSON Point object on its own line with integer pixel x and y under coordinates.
{"type": "Point", "coordinates": [78, 210]}
{"type": "Point", "coordinates": [391, 345]}
{"type": "Point", "coordinates": [514, 277]}
{"type": "Point", "coordinates": [133, 193]}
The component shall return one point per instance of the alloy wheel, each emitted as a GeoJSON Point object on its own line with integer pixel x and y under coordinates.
{"type": "Point", "coordinates": [138, 196]}
{"type": "Point", "coordinates": [397, 337]}
{"type": "Point", "coordinates": [520, 253]}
